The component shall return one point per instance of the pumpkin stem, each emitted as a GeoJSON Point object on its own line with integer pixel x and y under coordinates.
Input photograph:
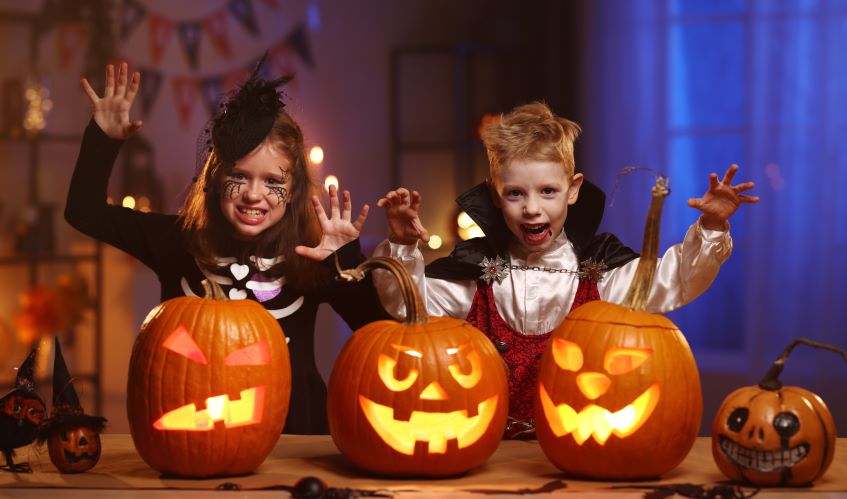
{"type": "Point", "coordinates": [415, 310]}
{"type": "Point", "coordinates": [771, 379]}
{"type": "Point", "coordinates": [642, 281]}
{"type": "Point", "coordinates": [212, 291]}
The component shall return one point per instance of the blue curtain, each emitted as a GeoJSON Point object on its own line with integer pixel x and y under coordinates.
{"type": "Point", "coordinates": [687, 87]}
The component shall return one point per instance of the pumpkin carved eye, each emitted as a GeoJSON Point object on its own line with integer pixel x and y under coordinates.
{"type": "Point", "coordinates": [182, 343]}
{"type": "Point", "coordinates": [257, 354]}
{"type": "Point", "coordinates": [385, 369]}
{"type": "Point", "coordinates": [467, 380]}
{"type": "Point", "coordinates": [568, 355]}
{"type": "Point", "coordinates": [786, 424]}
{"type": "Point", "coordinates": [624, 360]}
{"type": "Point", "coordinates": [737, 418]}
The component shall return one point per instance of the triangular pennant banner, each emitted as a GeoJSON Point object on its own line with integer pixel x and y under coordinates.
{"type": "Point", "coordinates": [243, 11]}
{"type": "Point", "coordinates": [215, 26]}
{"type": "Point", "coordinates": [213, 89]}
{"type": "Point", "coordinates": [161, 30]}
{"type": "Point", "coordinates": [185, 93]}
{"type": "Point", "coordinates": [264, 73]}
{"type": "Point", "coordinates": [132, 13]}
{"type": "Point", "coordinates": [151, 81]}
{"type": "Point", "coordinates": [189, 35]}
{"type": "Point", "coordinates": [298, 41]}
{"type": "Point", "coordinates": [281, 58]}
{"type": "Point", "coordinates": [70, 38]}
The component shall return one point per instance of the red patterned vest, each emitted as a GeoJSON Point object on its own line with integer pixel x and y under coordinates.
{"type": "Point", "coordinates": [521, 352]}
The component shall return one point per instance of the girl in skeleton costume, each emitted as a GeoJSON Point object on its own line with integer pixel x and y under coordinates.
{"type": "Point", "coordinates": [250, 222]}
{"type": "Point", "coordinates": [532, 267]}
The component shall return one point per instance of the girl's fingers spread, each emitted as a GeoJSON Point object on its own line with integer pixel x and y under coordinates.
{"type": "Point", "coordinates": [746, 186]}
{"type": "Point", "coordinates": [92, 95]}
{"type": "Point", "coordinates": [713, 181]}
{"type": "Point", "coordinates": [319, 209]}
{"type": "Point", "coordinates": [748, 199]}
{"type": "Point", "coordinates": [416, 200]}
{"type": "Point", "coordinates": [694, 202]}
{"type": "Point", "coordinates": [110, 81]}
{"type": "Point", "coordinates": [133, 86]}
{"type": "Point", "coordinates": [347, 207]}
{"type": "Point", "coordinates": [333, 202]}
{"type": "Point", "coordinates": [120, 91]}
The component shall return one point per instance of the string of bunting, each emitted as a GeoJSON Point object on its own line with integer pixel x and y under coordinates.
{"type": "Point", "coordinates": [186, 88]}
{"type": "Point", "coordinates": [190, 32]}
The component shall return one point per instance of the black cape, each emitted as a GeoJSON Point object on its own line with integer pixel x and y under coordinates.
{"type": "Point", "coordinates": [580, 226]}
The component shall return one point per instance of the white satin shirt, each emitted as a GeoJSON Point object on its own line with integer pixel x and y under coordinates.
{"type": "Point", "coordinates": [535, 302]}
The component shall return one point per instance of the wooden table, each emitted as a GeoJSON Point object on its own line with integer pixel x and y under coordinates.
{"type": "Point", "coordinates": [514, 466]}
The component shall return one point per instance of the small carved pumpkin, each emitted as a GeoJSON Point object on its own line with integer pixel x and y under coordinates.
{"type": "Point", "coordinates": [427, 397]}
{"type": "Point", "coordinates": [618, 389]}
{"type": "Point", "coordinates": [770, 434]}
{"type": "Point", "coordinates": [209, 384]}
{"type": "Point", "coordinates": [74, 450]}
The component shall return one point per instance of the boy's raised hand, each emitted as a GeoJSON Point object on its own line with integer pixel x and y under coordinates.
{"type": "Point", "coordinates": [337, 230]}
{"type": "Point", "coordinates": [721, 200]}
{"type": "Point", "coordinates": [401, 210]}
{"type": "Point", "coordinates": [111, 112]}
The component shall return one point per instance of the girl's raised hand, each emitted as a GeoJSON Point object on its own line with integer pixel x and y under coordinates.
{"type": "Point", "coordinates": [111, 112]}
{"type": "Point", "coordinates": [337, 230]}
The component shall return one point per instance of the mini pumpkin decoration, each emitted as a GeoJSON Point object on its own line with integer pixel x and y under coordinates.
{"type": "Point", "coordinates": [427, 397]}
{"type": "Point", "coordinates": [618, 392]}
{"type": "Point", "coordinates": [209, 385]}
{"type": "Point", "coordinates": [73, 437]}
{"type": "Point", "coordinates": [770, 434]}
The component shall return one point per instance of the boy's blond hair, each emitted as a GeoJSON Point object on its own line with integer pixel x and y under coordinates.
{"type": "Point", "coordinates": [529, 132]}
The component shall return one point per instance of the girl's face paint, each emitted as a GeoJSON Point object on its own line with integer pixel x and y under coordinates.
{"type": "Point", "coordinates": [254, 195]}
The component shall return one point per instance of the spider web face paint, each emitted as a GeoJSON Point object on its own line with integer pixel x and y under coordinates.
{"type": "Point", "coordinates": [232, 188]}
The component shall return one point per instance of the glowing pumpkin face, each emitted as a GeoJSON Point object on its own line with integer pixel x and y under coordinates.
{"type": "Point", "coordinates": [208, 387]}
{"type": "Point", "coordinates": [615, 385]}
{"type": "Point", "coordinates": [74, 450]}
{"type": "Point", "coordinates": [426, 399]}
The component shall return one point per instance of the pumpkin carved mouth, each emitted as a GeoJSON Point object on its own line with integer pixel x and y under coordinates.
{"type": "Point", "coordinates": [597, 421]}
{"type": "Point", "coordinates": [245, 411]}
{"type": "Point", "coordinates": [75, 458]}
{"type": "Point", "coordinates": [762, 460]}
{"type": "Point", "coordinates": [434, 428]}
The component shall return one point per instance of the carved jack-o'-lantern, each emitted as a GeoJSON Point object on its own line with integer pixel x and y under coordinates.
{"type": "Point", "coordinates": [772, 434]}
{"type": "Point", "coordinates": [618, 389]}
{"type": "Point", "coordinates": [427, 397]}
{"type": "Point", "coordinates": [208, 388]}
{"type": "Point", "coordinates": [74, 450]}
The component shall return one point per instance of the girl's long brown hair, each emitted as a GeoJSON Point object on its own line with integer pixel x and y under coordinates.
{"type": "Point", "coordinates": [209, 235]}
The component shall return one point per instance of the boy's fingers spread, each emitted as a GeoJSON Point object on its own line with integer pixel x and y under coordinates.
{"type": "Point", "coordinates": [730, 173]}
{"type": "Point", "coordinates": [363, 215]}
{"type": "Point", "coordinates": [746, 186]}
{"type": "Point", "coordinates": [694, 202]}
{"type": "Point", "coordinates": [713, 181]}
{"type": "Point", "coordinates": [748, 199]}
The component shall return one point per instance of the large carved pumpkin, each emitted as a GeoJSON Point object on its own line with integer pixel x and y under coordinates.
{"type": "Point", "coordinates": [427, 397]}
{"type": "Point", "coordinates": [208, 389]}
{"type": "Point", "coordinates": [770, 434]}
{"type": "Point", "coordinates": [618, 390]}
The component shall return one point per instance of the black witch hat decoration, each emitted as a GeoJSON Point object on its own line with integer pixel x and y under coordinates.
{"type": "Point", "coordinates": [247, 116]}
{"type": "Point", "coordinates": [21, 411]}
{"type": "Point", "coordinates": [73, 437]}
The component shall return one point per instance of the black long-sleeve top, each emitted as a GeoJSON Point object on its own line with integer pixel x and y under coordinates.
{"type": "Point", "coordinates": [158, 241]}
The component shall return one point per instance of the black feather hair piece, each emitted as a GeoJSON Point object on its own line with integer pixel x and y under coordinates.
{"type": "Point", "coordinates": [248, 115]}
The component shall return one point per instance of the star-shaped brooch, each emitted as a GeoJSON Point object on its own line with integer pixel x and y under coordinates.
{"type": "Point", "coordinates": [592, 271]}
{"type": "Point", "coordinates": [493, 269]}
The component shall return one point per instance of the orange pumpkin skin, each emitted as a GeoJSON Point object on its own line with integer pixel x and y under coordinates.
{"type": "Point", "coordinates": [426, 384]}
{"type": "Point", "coordinates": [75, 450]}
{"type": "Point", "coordinates": [755, 427]}
{"type": "Point", "coordinates": [605, 335]}
{"type": "Point", "coordinates": [161, 380]}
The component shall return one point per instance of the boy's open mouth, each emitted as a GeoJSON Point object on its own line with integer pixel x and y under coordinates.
{"type": "Point", "coordinates": [535, 233]}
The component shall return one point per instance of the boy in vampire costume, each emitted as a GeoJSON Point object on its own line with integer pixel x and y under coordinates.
{"type": "Point", "coordinates": [519, 282]}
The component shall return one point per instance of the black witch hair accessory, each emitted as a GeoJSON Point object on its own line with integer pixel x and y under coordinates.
{"type": "Point", "coordinates": [243, 120]}
{"type": "Point", "coordinates": [73, 436]}
{"type": "Point", "coordinates": [21, 411]}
